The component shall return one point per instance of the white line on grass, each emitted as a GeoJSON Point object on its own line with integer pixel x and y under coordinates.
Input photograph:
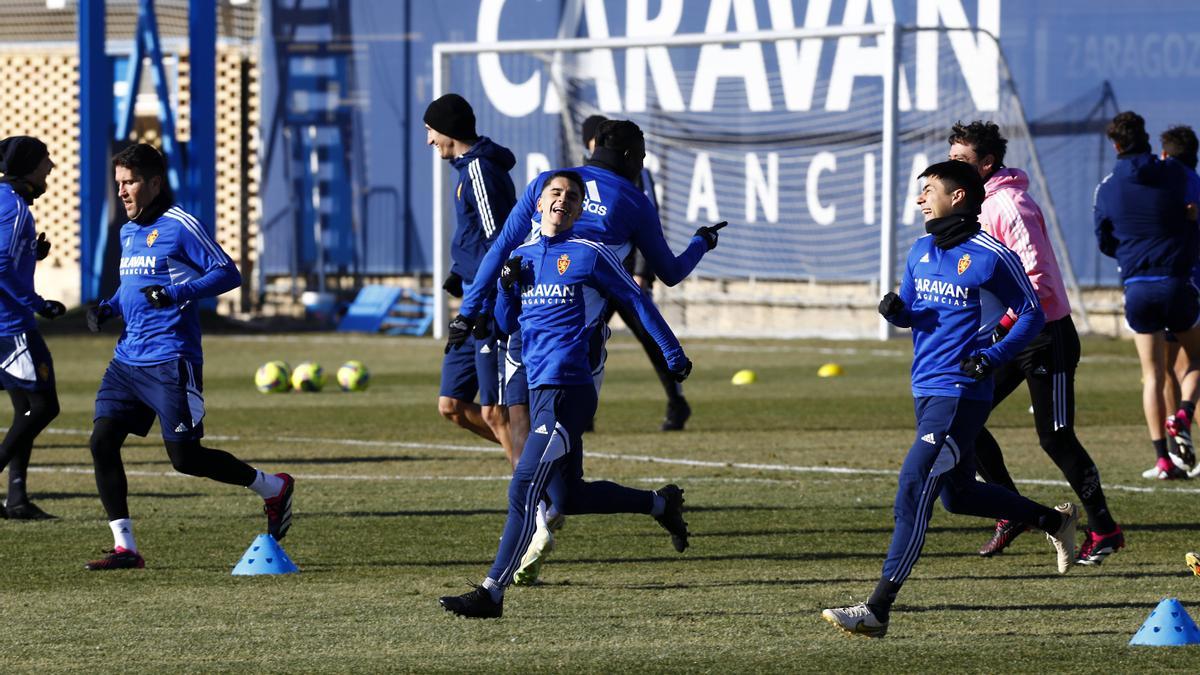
{"type": "Point", "coordinates": [648, 459]}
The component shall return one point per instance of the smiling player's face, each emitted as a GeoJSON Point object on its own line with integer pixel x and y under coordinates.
{"type": "Point", "coordinates": [560, 204]}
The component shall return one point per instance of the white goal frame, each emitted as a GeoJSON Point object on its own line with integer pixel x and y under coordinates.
{"type": "Point", "coordinates": [889, 37]}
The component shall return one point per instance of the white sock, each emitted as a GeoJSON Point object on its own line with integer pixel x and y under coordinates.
{"type": "Point", "coordinates": [541, 515]}
{"type": "Point", "coordinates": [495, 589]}
{"type": "Point", "coordinates": [267, 485]}
{"type": "Point", "coordinates": [660, 505]}
{"type": "Point", "coordinates": [122, 530]}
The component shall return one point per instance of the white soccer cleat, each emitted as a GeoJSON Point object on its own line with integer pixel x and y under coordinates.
{"type": "Point", "coordinates": [1064, 538]}
{"type": "Point", "coordinates": [531, 563]}
{"type": "Point", "coordinates": [856, 620]}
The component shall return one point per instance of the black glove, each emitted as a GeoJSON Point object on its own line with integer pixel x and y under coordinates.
{"type": "Point", "coordinates": [482, 329]}
{"type": "Point", "coordinates": [457, 332]}
{"type": "Point", "coordinates": [510, 274]}
{"type": "Point", "coordinates": [680, 374]}
{"type": "Point", "coordinates": [52, 309]}
{"type": "Point", "coordinates": [157, 296]}
{"type": "Point", "coordinates": [977, 366]}
{"type": "Point", "coordinates": [998, 333]}
{"type": "Point", "coordinates": [453, 285]}
{"type": "Point", "coordinates": [98, 315]}
{"type": "Point", "coordinates": [709, 233]}
{"type": "Point", "coordinates": [43, 246]}
{"type": "Point", "coordinates": [890, 305]}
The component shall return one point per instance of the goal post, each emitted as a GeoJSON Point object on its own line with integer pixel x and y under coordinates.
{"type": "Point", "coordinates": [807, 140]}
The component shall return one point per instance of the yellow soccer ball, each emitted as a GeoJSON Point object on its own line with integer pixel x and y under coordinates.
{"type": "Point", "coordinates": [744, 377]}
{"type": "Point", "coordinates": [829, 370]}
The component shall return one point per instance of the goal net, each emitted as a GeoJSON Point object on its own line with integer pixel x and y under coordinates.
{"type": "Point", "coordinates": [808, 142]}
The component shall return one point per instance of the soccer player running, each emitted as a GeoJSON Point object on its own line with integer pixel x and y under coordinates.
{"type": "Point", "coordinates": [1047, 365]}
{"type": "Point", "coordinates": [956, 286]}
{"type": "Point", "coordinates": [618, 215]}
{"type": "Point", "coordinates": [168, 262]}
{"type": "Point", "coordinates": [1179, 144]}
{"type": "Point", "coordinates": [482, 200]}
{"type": "Point", "coordinates": [678, 410]}
{"type": "Point", "coordinates": [555, 288]}
{"type": "Point", "coordinates": [1144, 220]}
{"type": "Point", "coordinates": [26, 369]}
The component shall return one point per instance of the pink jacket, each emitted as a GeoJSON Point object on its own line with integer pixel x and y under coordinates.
{"type": "Point", "coordinates": [1010, 215]}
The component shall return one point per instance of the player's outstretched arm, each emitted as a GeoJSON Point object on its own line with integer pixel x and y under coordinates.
{"type": "Point", "coordinates": [516, 229]}
{"type": "Point", "coordinates": [610, 278]}
{"type": "Point", "coordinates": [649, 239]}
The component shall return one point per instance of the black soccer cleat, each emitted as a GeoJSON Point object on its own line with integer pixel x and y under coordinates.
{"type": "Point", "coordinates": [117, 559]}
{"type": "Point", "coordinates": [672, 516]}
{"type": "Point", "coordinates": [279, 509]}
{"type": "Point", "coordinates": [678, 412]}
{"type": "Point", "coordinates": [1006, 531]}
{"type": "Point", "coordinates": [26, 511]}
{"type": "Point", "coordinates": [475, 604]}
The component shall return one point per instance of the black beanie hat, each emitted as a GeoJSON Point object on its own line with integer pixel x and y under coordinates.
{"type": "Point", "coordinates": [20, 155]}
{"type": "Point", "coordinates": [453, 116]}
{"type": "Point", "coordinates": [590, 126]}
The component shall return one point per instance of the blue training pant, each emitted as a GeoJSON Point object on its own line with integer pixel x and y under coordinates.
{"type": "Point", "coordinates": [551, 465]}
{"type": "Point", "coordinates": [941, 463]}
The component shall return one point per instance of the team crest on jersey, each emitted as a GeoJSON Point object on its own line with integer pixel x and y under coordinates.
{"type": "Point", "coordinates": [964, 262]}
{"type": "Point", "coordinates": [153, 237]}
{"type": "Point", "coordinates": [564, 261]}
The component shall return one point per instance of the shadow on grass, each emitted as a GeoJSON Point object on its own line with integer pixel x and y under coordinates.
{"type": "Point", "coordinates": [958, 529]}
{"type": "Point", "coordinates": [432, 513]}
{"type": "Point", "coordinates": [51, 496]}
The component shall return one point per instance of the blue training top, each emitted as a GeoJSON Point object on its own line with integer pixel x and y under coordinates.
{"type": "Point", "coordinates": [564, 281]}
{"type": "Point", "coordinates": [953, 299]}
{"type": "Point", "coordinates": [1140, 212]}
{"type": "Point", "coordinates": [178, 253]}
{"type": "Point", "coordinates": [18, 257]}
{"type": "Point", "coordinates": [615, 213]}
{"type": "Point", "coordinates": [482, 200]}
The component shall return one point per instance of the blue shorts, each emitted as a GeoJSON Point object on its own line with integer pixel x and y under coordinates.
{"type": "Point", "coordinates": [516, 385]}
{"type": "Point", "coordinates": [1161, 304]}
{"type": "Point", "coordinates": [133, 396]}
{"type": "Point", "coordinates": [25, 363]}
{"type": "Point", "coordinates": [474, 367]}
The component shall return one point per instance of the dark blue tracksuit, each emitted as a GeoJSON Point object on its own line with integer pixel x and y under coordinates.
{"type": "Point", "coordinates": [483, 197]}
{"type": "Point", "coordinates": [563, 286]}
{"type": "Point", "coordinates": [953, 299]}
{"type": "Point", "coordinates": [1140, 210]}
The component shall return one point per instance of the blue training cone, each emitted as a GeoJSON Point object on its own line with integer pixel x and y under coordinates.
{"type": "Point", "coordinates": [266, 556]}
{"type": "Point", "coordinates": [1168, 625]}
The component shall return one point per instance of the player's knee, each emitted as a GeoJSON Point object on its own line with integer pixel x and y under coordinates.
{"type": "Point", "coordinates": [105, 442]}
{"type": "Point", "coordinates": [43, 412]}
{"type": "Point", "coordinates": [450, 408]}
{"type": "Point", "coordinates": [494, 416]}
{"type": "Point", "coordinates": [185, 456]}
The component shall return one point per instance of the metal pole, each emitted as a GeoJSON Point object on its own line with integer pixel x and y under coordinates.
{"type": "Point", "coordinates": [201, 169]}
{"type": "Point", "coordinates": [95, 138]}
{"type": "Point", "coordinates": [887, 195]}
{"type": "Point", "coordinates": [439, 226]}
{"type": "Point", "coordinates": [314, 171]}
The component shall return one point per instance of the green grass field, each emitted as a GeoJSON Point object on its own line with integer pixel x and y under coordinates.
{"type": "Point", "coordinates": [395, 507]}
